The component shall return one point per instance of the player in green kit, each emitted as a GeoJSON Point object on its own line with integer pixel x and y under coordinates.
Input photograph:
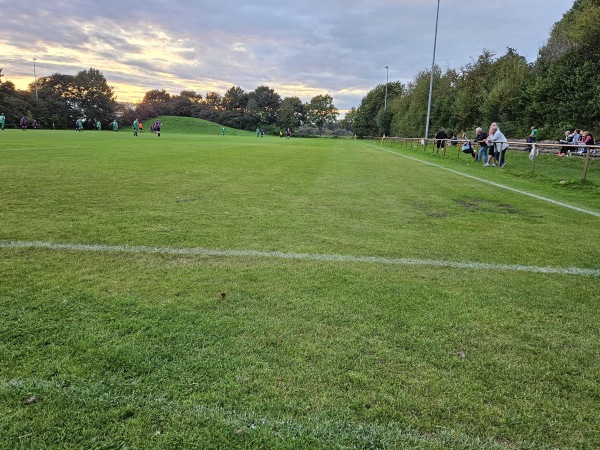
{"type": "Point", "coordinates": [136, 127]}
{"type": "Point", "coordinates": [115, 125]}
{"type": "Point", "coordinates": [2, 120]}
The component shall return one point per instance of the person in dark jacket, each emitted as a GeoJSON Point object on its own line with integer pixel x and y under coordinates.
{"type": "Point", "coordinates": [483, 147]}
{"type": "Point", "coordinates": [440, 140]}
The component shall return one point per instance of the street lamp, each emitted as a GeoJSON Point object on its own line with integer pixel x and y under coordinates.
{"type": "Point", "coordinates": [432, 67]}
{"type": "Point", "coordinates": [35, 78]}
{"type": "Point", "coordinates": [387, 78]}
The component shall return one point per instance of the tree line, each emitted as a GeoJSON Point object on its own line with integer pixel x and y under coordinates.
{"type": "Point", "coordinates": [58, 100]}
{"type": "Point", "coordinates": [559, 91]}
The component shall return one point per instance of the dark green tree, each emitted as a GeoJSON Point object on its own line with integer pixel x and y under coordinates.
{"type": "Point", "coordinates": [291, 113]}
{"type": "Point", "coordinates": [320, 111]}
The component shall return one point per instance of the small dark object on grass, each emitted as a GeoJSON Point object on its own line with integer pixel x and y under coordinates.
{"type": "Point", "coordinates": [223, 295]}
{"type": "Point", "coordinates": [31, 400]}
{"type": "Point", "coordinates": [462, 354]}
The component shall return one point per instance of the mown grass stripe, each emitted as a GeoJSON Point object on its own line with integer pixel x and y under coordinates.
{"type": "Point", "coordinates": [301, 256]}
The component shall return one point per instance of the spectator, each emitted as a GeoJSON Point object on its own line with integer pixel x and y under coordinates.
{"type": "Point", "coordinates": [567, 140]}
{"type": "Point", "coordinates": [576, 137]}
{"type": "Point", "coordinates": [499, 142]}
{"type": "Point", "coordinates": [483, 148]}
{"type": "Point", "coordinates": [440, 141]}
{"type": "Point", "coordinates": [586, 139]}
{"type": "Point", "coordinates": [532, 138]}
{"type": "Point", "coordinates": [453, 139]}
{"type": "Point", "coordinates": [468, 148]}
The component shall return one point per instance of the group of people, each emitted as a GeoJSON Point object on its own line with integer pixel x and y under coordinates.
{"type": "Point", "coordinates": [579, 138]}
{"type": "Point", "coordinates": [492, 145]}
{"type": "Point", "coordinates": [138, 127]}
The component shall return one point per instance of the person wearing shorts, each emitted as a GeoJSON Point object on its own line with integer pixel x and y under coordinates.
{"type": "Point", "coordinates": [440, 140]}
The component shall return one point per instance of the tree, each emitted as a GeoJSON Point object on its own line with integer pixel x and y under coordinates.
{"type": "Point", "coordinates": [213, 100]}
{"type": "Point", "coordinates": [235, 99]}
{"type": "Point", "coordinates": [290, 113]}
{"type": "Point", "coordinates": [348, 121]}
{"type": "Point", "coordinates": [158, 100]}
{"type": "Point", "coordinates": [370, 118]}
{"type": "Point", "coordinates": [63, 98]}
{"type": "Point", "coordinates": [320, 111]}
{"type": "Point", "coordinates": [267, 101]}
{"type": "Point", "coordinates": [93, 97]}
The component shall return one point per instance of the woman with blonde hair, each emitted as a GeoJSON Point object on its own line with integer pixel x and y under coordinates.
{"type": "Point", "coordinates": [499, 142]}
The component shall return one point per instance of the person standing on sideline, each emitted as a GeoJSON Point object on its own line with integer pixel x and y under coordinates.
{"type": "Point", "coordinates": [136, 127]}
{"type": "Point", "coordinates": [532, 138]}
{"type": "Point", "coordinates": [141, 127]}
{"type": "Point", "coordinates": [23, 123]}
{"type": "Point", "coordinates": [98, 125]}
{"type": "Point", "coordinates": [483, 148]}
{"type": "Point", "coordinates": [2, 120]}
{"type": "Point", "coordinates": [440, 141]}
{"type": "Point", "coordinates": [499, 142]}
{"type": "Point", "coordinates": [257, 132]}
{"type": "Point", "coordinates": [288, 133]}
{"type": "Point", "coordinates": [115, 125]}
{"type": "Point", "coordinates": [80, 124]}
{"type": "Point", "coordinates": [533, 135]}
{"type": "Point", "coordinates": [222, 131]}
{"type": "Point", "coordinates": [157, 125]}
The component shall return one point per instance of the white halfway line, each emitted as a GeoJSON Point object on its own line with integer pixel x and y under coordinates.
{"type": "Point", "coordinates": [299, 256]}
{"type": "Point", "coordinates": [508, 188]}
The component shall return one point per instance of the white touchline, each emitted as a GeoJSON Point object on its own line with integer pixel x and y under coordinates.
{"type": "Point", "coordinates": [508, 188]}
{"type": "Point", "coordinates": [194, 251]}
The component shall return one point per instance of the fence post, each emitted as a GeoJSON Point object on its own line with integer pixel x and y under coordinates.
{"type": "Point", "coordinates": [586, 163]}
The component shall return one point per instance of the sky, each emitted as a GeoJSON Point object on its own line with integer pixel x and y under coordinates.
{"type": "Point", "coordinates": [298, 48]}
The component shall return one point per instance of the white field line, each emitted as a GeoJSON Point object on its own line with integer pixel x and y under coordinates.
{"type": "Point", "coordinates": [299, 256]}
{"type": "Point", "coordinates": [508, 188]}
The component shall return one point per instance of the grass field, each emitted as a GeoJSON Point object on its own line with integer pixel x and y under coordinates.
{"type": "Point", "coordinates": [200, 291]}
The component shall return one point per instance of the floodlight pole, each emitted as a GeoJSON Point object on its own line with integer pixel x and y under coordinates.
{"type": "Point", "coordinates": [35, 79]}
{"type": "Point", "coordinates": [432, 68]}
{"type": "Point", "coordinates": [387, 80]}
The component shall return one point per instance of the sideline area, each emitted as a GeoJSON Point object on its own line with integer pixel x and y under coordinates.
{"type": "Point", "coordinates": [492, 183]}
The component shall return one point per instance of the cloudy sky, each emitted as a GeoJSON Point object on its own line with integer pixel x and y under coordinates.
{"type": "Point", "coordinates": [298, 48]}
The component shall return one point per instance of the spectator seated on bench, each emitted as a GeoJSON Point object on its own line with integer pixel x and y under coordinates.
{"type": "Point", "coordinates": [586, 139]}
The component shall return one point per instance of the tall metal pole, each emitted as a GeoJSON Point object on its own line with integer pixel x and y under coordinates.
{"type": "Point", "coordinates": [35, 79]}
{"type": "Point", "coordinates": [387, 80]}
{"type": "Point", "coordinates": [432, 67]}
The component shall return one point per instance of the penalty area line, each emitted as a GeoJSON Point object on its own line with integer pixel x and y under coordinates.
{"type": "Point", "coordinates": [502, 186]}
{"type": "Point", "coordinates": [195, 251]}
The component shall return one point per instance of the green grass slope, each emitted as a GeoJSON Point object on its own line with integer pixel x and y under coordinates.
{"type": "Point", "coordinates": [191, 125]}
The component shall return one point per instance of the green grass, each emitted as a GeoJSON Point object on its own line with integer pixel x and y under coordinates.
{"type": "Point", "coordinates": [188, 125]}
{"type": "Point", "coordinates": [116, 349]}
